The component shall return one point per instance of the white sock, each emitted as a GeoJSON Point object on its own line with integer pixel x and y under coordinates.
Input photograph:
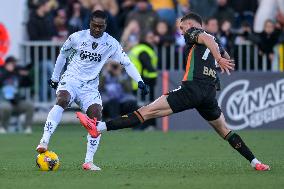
{"type": "Point", "coordinates": [254, 162]}
{"type": "Point", "coordinates": [53, 119]}
{"type": "Point", "coordinates": [101, 126]}
{"type": "Point", "coordinates": [92, 146]}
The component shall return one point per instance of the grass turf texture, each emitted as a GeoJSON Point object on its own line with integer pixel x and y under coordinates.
{"type": "Point", "coordinates": [143, 160]}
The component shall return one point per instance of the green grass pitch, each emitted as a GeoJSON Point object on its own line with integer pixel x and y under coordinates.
{"type": "Point", "coordinates": [197, 159]}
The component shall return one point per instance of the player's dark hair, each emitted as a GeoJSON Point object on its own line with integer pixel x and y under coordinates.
{"type": "Point", "coordinates": [192, 16]}
{"type": "Point", "coordinates": [98, 14]}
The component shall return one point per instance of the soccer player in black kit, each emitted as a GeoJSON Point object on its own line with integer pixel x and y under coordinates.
{"type": "Point", "coordinates": [198, 90]}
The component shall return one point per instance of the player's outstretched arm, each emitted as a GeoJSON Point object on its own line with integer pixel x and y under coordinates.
{"type": "Point", "coordinates": [60, 62]}
{"type": "Point", "coordinates": [61, 59]}
{"type": "Point", "coordinates": [133, 73]}
{"type": "Point", "coordinates": [226, 55]}
{"type": "Point", "coordinates": [121, 57]}
{"type": "Point", "coordinates": [224, 62]}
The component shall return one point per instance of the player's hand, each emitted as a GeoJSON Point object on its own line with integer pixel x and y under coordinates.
{"type": "Point", "coordinates": [144, 88]}
{"type": "Point", "coordinates": [53, 84]}
{"type": "Point", "coordinates": [226, 65]}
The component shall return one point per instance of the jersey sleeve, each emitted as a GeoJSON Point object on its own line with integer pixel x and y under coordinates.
{"type": "Point", "coordinates": [68, 45]}
{"type": "Point", "coordinates": [120, 56]}
{"type": "Point", "coordinates": [61, 59]}
{"type": "Point", "coordinates": [191, 35]}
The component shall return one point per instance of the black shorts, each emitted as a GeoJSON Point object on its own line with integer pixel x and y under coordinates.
{"type": "Point", "coordinates": [198, 95]}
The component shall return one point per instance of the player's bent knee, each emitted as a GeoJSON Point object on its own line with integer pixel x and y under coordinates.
{"type": "Point", "coordinates": [95, 111]}
{"type": "Point", "coordinates": [210, 115]}
{"type": "Point", "coordinates": [63, 99]}
{"type": "Point", "coordinates": [63, 103]}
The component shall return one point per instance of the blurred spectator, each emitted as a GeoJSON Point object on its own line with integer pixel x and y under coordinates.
{"type": "Point", "coordinates": [125, 7]}
{"type": "Point", "coordinates": [145, 16]}
{"type": "Point", "coordinates": [223, 11]}
{"type": "Point", "coordinates": [145, 60]}
{"type": "Point", "coordinates": [163, 34]}
{"type": "Point", "coordinates": [179, 49]}
{"type": "Point", "coordinates": [280, 19]}
{"type": "Point", "coordinates": [111, 6]}
{"type": "Point", "coordinates": [54, 4]}
{"type": "Point", "coordinates": [40, 25]}
{"type": "Point", "coordinates": [244, 11]}
{"type": "Point", "coordinates": [62, 3]}
{"type": "Point", "coordinates": [61, 29]}
{"type": "Point", "coordinates": [75, 17]}
{"type": "Point", "coordinates": [182, 7]}
{"type": "Point", "coordinates": [33, 4]}
{"type": "Point", "coordinates": [227, 37]}
{"type": "Point", "coordinates": [204, 8]}
{"type": "Point", "coordinates": [116, 90]}
{"type": "Point", "coordinates": [280, 27]}
{"type": "Point", "coordinates": [211, 26]}
{"type": "Point", "coordinates": [11, 101]}
{"type": "Point", "coordinates": [163, 39]}
{"type": "Point", "coordinates": [179, 39]}
{"type": "Point", "coordinates": [244, 38]}
{"type": "Point", "coordinates": [130, 36]}
{"type": "Point", "coordinates": [165, 9]}
{"type": "Point", "coordinates": [267, 10]}
{"type": "Point", "coordinates": [41, 28]}
{"type": "Point", "coordinates": [267, 40]}
{"type": "Point", "coordinates": [245, 34]}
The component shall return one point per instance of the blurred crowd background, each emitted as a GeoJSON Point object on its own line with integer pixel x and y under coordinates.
{"type": "Point", "coordinates": [252, 32]}
{"type": "Point", "coordinates": [233, 21]}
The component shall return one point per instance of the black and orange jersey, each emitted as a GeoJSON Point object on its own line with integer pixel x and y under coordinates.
{"type": "Point", "coordinates": [200, 63]}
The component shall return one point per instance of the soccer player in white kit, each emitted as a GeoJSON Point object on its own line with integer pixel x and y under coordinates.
{"type": "Point", "coordinates": [85, 52]}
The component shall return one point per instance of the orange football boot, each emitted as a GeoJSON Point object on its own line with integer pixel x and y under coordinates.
{"type": "Point", "coordinates": [89, 124]}
{"type": "Point", "coordinates": [262, 167]}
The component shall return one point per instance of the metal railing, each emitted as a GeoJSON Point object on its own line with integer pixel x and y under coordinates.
{"type": "Point", "coordinates": [42, 55]}
{"type": "Point", "coordinates": [248, 58]}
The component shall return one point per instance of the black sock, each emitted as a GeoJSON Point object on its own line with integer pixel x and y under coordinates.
{"type": "Point", "coordinates": [125, 121]}
{"type": "Point", "coordinates": [238, 144]}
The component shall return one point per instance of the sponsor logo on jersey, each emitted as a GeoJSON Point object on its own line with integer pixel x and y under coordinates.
{"type": "Point", "coordinates": [209, 72]}
{"type": "Point", "coordinates": [90, 56]}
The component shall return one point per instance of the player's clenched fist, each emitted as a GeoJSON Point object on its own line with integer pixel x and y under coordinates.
{"type": "Point", "coordinates": [144, 88]}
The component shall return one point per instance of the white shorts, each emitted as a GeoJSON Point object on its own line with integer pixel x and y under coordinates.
{"type": "Point", "coordinates": [83, 93]}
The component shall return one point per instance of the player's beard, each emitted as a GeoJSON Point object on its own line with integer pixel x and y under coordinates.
{"type": "Point", "coordinates": [97, 34]}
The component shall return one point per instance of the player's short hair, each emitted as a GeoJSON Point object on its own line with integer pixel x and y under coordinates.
{"type": "Point", "coordinates": [98, 14]}
{"type": "Point", "coordinates": [192, 16]}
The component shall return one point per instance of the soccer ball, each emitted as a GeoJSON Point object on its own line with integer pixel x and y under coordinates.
{"type": "Point", "coordinates": [47, 161]}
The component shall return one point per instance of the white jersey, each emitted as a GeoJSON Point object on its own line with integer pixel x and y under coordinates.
{"type": "Point", "coordinates": [87, 55]}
